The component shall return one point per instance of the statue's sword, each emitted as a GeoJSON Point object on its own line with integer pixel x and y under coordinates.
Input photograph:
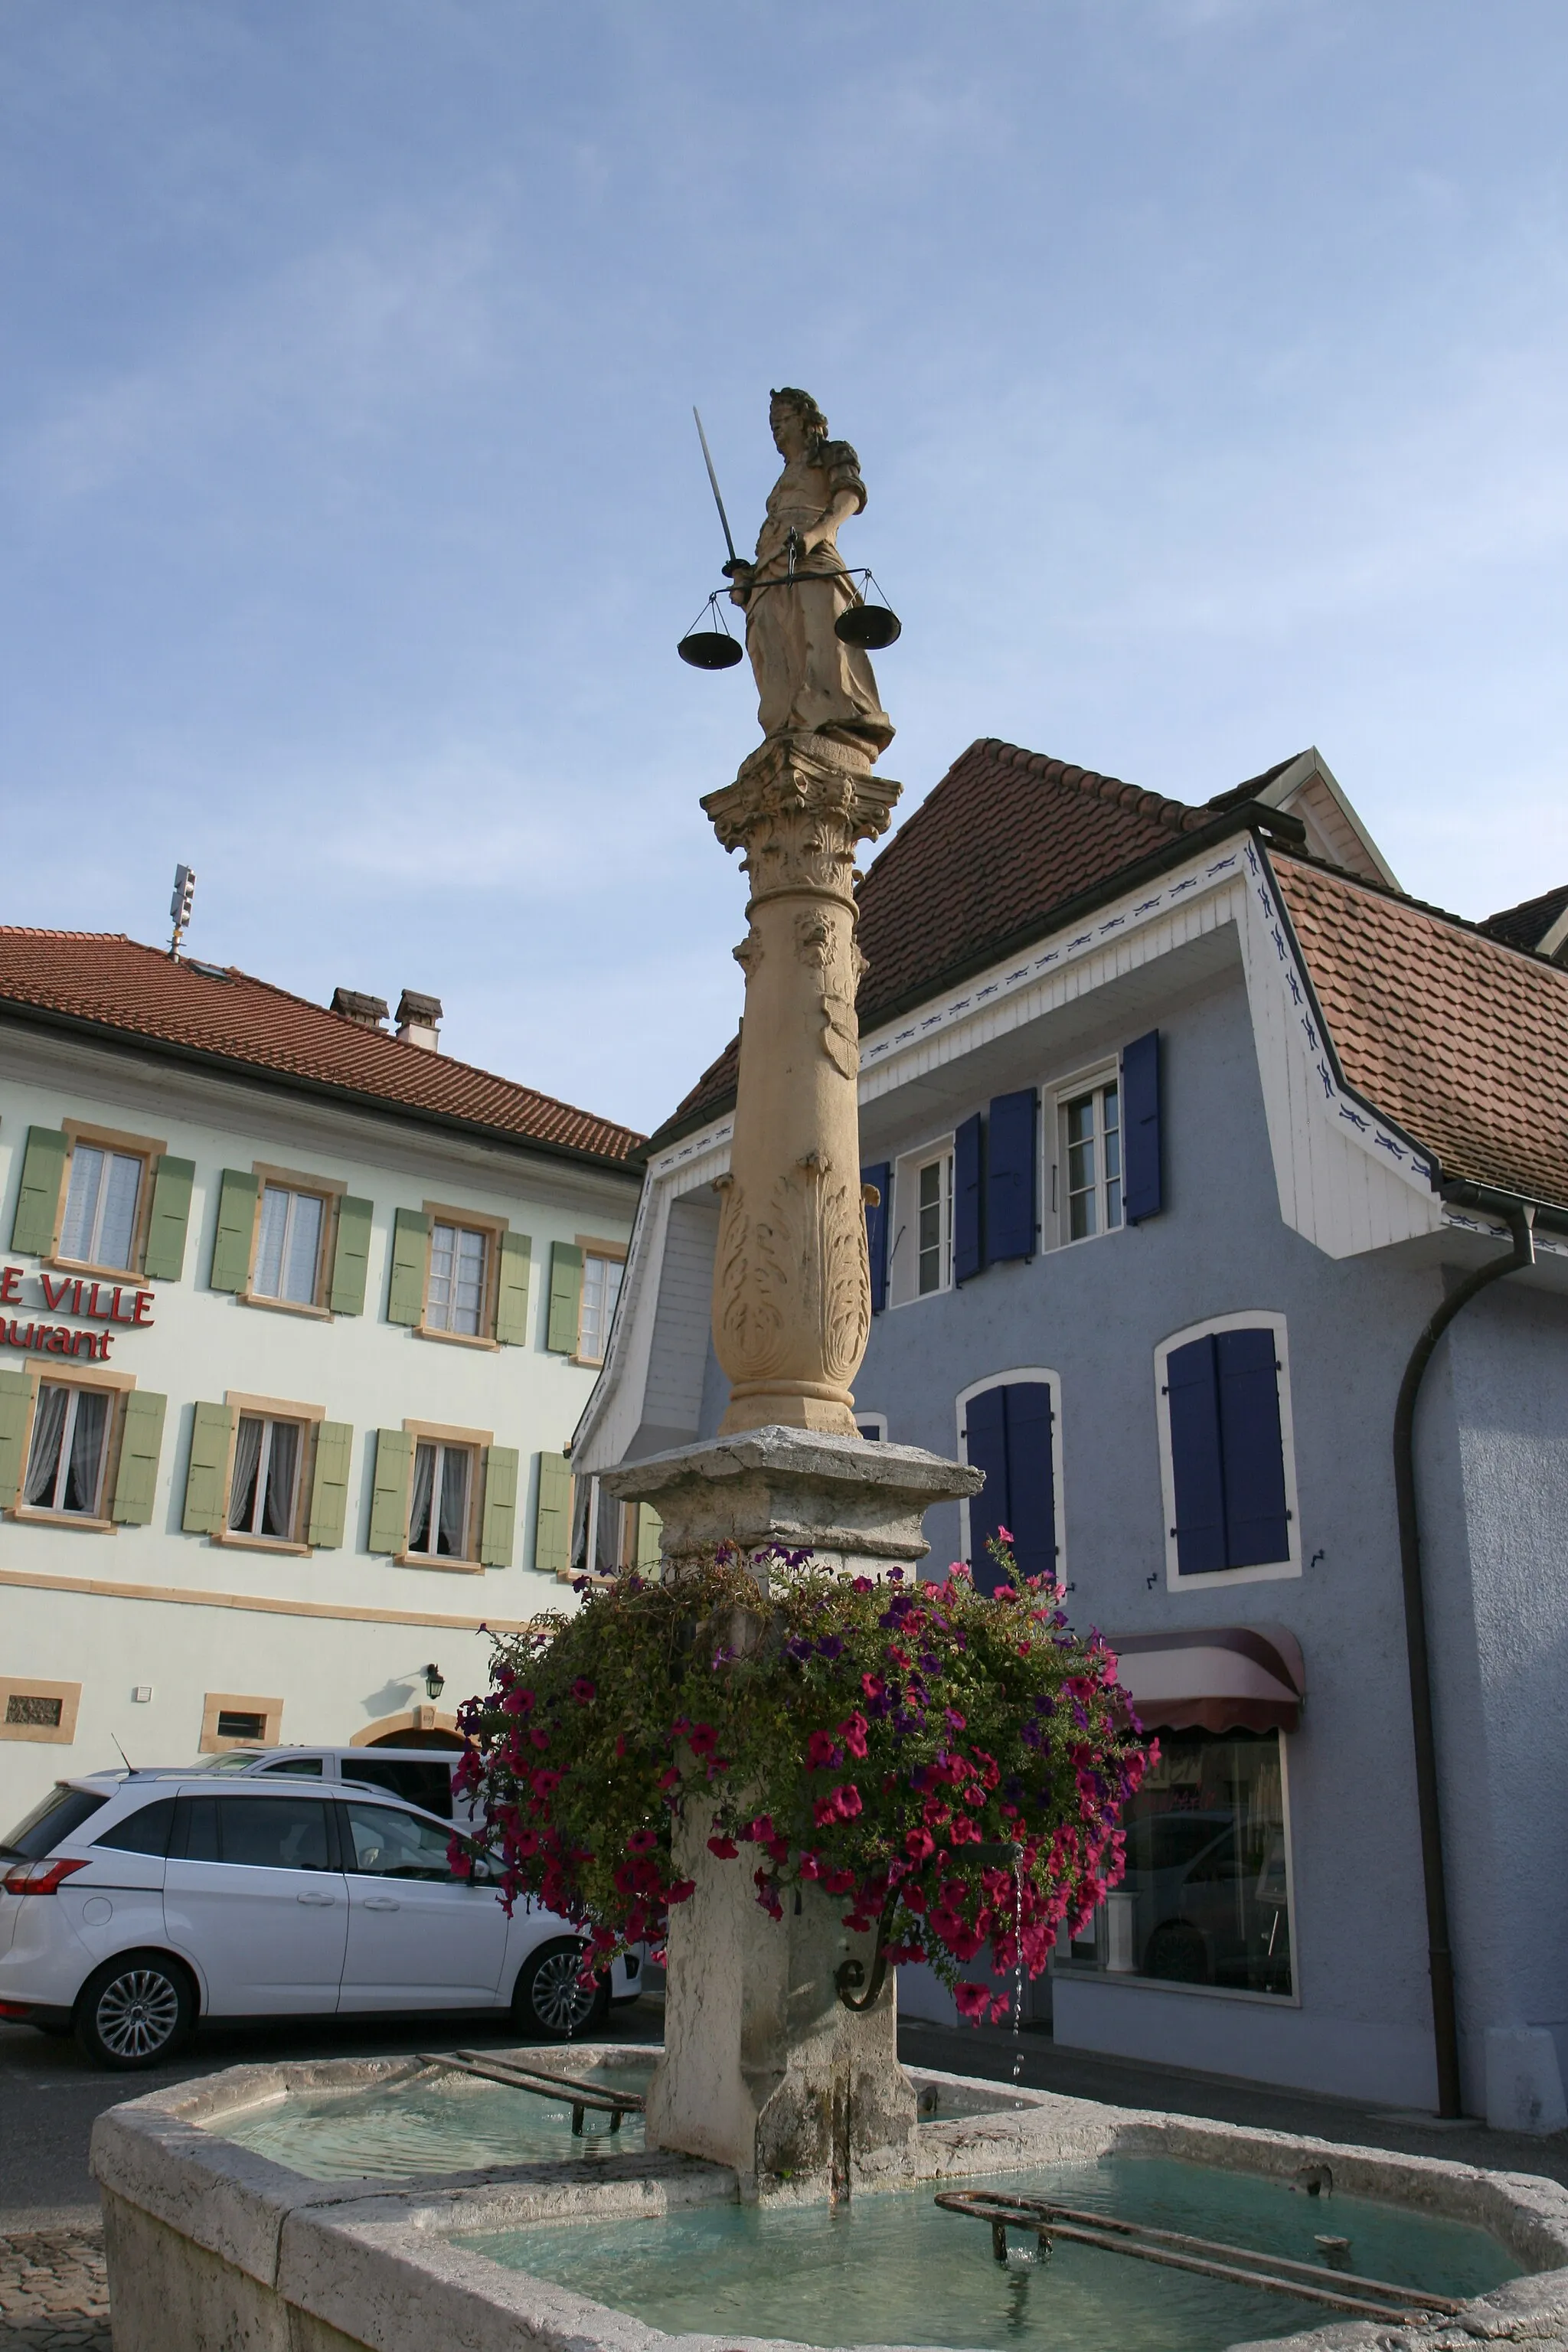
{"type": "Point", "coordinates": [713, 479]}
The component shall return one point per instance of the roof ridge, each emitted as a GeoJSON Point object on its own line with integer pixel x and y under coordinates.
{"type": "Point", "coordinates": [55, 931]}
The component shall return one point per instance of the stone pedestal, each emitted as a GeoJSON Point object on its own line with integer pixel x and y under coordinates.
{"type": "Point", "coordinates": [765, 2067]}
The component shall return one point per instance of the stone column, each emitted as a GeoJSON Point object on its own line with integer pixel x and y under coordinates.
{"type": "Point", "coordinates": [792, 1292]}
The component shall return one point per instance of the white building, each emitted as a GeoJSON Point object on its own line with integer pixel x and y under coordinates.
{"type": "Point", "coordinates": [296, 1318]}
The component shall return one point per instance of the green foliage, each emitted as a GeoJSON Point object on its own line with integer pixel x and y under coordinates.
{"type": "Point", "coordinates": [952, 1764]}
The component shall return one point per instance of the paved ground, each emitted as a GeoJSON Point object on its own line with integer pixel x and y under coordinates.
{"type": "Point", "coordinates": [52, 2293]}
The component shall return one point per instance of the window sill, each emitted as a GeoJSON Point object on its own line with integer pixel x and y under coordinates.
{"type": "Point", "coordinates": [587, 1363]}
{"type": "Point", "coordinates": [457, 1338]}
{"type": "Point", "coordinates": [442, 1567]}
{"type": "Point", "coordinates": [74, 1266]}
{"type": "Point", "coordinates": [1075, 1972]}
{"type": "Point", "coordinates": [233, 1540]}
{"type": "Point", "coordinates": [284, 1307]}
{"type": "Point", "coordinates": [924, 1297]}
{"type": "Point", "coordinates": [30, 1515]}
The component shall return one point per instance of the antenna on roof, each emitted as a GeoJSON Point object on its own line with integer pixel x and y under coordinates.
{"type": "Point", "coordinates": [179, 905]}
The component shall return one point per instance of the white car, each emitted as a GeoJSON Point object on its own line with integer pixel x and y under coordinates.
{"type": "Point", "coordinates": [130, 1907]}
{"type": "Point", "coordinates": [420, 1776]}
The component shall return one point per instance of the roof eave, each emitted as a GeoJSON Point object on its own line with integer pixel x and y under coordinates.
{"type": "Point", "coordinates": [321, 1089]}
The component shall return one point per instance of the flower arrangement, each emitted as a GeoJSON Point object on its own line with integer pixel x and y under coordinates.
{"type": "Point", "coordinates": [952, 1765]}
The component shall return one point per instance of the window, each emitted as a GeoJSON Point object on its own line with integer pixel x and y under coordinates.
{"type": "Point", "coordinates": [455, 1292]}
{"type": "Point", "coordinates": [102, 1201]}
{"type": "Point", "coordinates": [1009, 1427]}
{"type": "Point", "coordinates": [1227, 1473]}
{"type": "Point", "coordinates": [439, 1512]}
{"type": "Point", "coordinates": [146, 1831]}
{"type": "Point", "coordinates": [1090, 1178]}
{"type": "Point", "coordinates": [34, 1710]}
{"type": "Point", "coordinates": [600, 1288]}
{"type": "Point", "coordinates": [920, 1259]}
{"type": "Point", "coordinates": [1206, 1896]}
{"type": "Point", "coordinates": [69, 1450]}
{"type": "Point", "coordinates": [264, 1485]}
{"type": "Point", "coordinates": [258, 1832]}
{"type": "Point", "coordinates": [237, 1719]}
{"type": "Point", "coordinates": [289, 1247]}
{"type": "Point", "coordinates": [55, 1817]}
{"type": "Point", "coordinates": [388, 1844]}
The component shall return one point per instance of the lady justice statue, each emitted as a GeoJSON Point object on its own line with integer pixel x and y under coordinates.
{"type": "Point", "coordinates": [792, 1300]}
{"type": "Point", "coordinates": [808, 680]}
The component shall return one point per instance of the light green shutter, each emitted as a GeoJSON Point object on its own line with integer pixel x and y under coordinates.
{"type": "Point", "coordinates": [498, 1527]}
{"type": "Point", "coordinates": [565, 1296]}
{"type": "Point", "coordinates": [410, 1248]}
{"type": "Point", "coordinates": [39, 1202]}
{"type": "Point", "coordinates": [648, 1526]}
{"type": "Point", "coordinates": [211, 1427]}
{"type": "Point", "coordinates": [136, 1481]}
{"type": "Point", "coordinates": [235, 1225]}
{"type": "Point", "coordinates": [389, 1495]}
{"type": "Point", "coordinates": [330, 1487]}
{"type": "Point", "coordinates": [170, 1216]}
{"type": "Point", "coordinates": [553, 1515]}
{"type": "Point", "coordinates": [511, 1290]}
{"type": "Point", "coordinates": [351, 1258]}
{"type": "Point", "coordinates": [15, 1400]}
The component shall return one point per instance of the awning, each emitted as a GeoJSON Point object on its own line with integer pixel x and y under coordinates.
{"type": "Point", "coordinates": [1218, 1679]}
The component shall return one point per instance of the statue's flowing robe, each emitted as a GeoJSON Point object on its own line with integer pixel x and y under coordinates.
{"type": "Point", "coordinates": [808, 680]}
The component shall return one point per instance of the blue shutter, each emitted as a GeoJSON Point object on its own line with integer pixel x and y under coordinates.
{"type": "Point", "coordinates": [881, 1178]}
{"type": "Point", "coordinates": [986, 1445]}
{"type": "Point", "coordinates": [968, 1231]}
{"type": "Point", "coordinates": [1010, 1208]}
{"type": "Point", "coordinates": [1257, 1528]}
{"type": "Point", "coordinates": [1143, 1185]}
{"type": "Point", "coordinates": [1031, 1479]}
{"type": "Point", "coordinates": [1192, 1398]}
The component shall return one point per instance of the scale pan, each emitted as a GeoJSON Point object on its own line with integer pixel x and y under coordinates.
{"type": "Point", "coordinates": [871, 625]}
{"type": "Point", "coordinates": [709, 649]}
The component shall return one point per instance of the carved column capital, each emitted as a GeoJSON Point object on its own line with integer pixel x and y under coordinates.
{"type": "Point", "coordinates": [797, 810]}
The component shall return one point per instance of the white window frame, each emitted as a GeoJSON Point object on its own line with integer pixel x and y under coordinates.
{"type": "Point", "coordinates": [864, 1420]}
{"type": "Point", "coordinates": [1055, 1175]}
{"type": "Point", "coordinates": [75, 1391]}
{"type": "Point", "coordinates": [486, 1237]}
{"type": "Point", "coordinates": [109, 1152]}
{"type": "Point", "coordinates": [1041, 1376]}
{"type": "Point", "coordinates": [467, 1556]}
{"type": "Point", "coordinates": [270, 1421]}
{"type": "Point", "coordinates": [605, 1258]}
{"type": "Point", "coordinates": [293, 1194]}
{"type": "Point", "coordinates": [903, 1245]}
{"type": "Point", "coordinates": [1268, 1572]}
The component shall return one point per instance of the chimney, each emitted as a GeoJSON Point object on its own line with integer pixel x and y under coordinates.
{"type": "Point", "coordinates": [416, 1019]}
{"type": "Point", "coordinates": [364, 1012]}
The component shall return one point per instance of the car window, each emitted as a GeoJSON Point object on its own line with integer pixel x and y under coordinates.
{"type": "Point", "coordinates": [429, 1785]}
{"type": "Point", "coordinates": [146, 1831]}
{"type": "Point", "coordinates": [396, 1845]}
{"type": "Point", "coordinates": [1170, 1841]}
{"type": "Point", "coordinates": [58, 1815]}
{"type": "Point", "coordinates": [299, 1767]}
{"type": "Point", "coordinates": [271, 1832]}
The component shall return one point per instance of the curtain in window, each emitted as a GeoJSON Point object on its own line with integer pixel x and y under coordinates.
{"type": "Point", "coordinates": [424, 1487]}
{"type": "Point", "coordinates": [469, 1288]}
{"type": "Point", "coordinates": [278, 1501]}
{"type": "Point", "coordinates": [454, 1513]}
{"type": "Point", "coordinates": [100, 1206]}
{"type": "Point", "coordinates": [81, 1202]}
{"type": "Point", "coordinates": [48, 1424]}
{"type": "Point", "coordinates": [246, 1463]}
{"type": "Point", "coordinates": [270, 1242]}
{"type": "Point", "coordinates": [304, 1250]}
{"type": "Point", "coordinates": [86, 1465]}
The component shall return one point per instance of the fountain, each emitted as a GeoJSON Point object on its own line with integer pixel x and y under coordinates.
{"type": "Point", "coordinates": [776, 2175]}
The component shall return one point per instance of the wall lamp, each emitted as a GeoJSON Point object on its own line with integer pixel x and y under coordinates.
{"type": "Point", "coordinates": [435, 1682]}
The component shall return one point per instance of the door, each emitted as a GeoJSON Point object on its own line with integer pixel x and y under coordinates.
{"type": "Point", "coordinates": [419, 1936]}
{"type": "Point", "coordinates": [253, 1894]}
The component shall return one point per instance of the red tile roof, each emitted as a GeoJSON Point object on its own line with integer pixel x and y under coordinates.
{"type": "Point", "coordinates": [1526, 926]}
{"type": "Point", "coordinates": [1008, 839]}
{"type": "Point", "coordinates": [1463, 1041]}
{"type": "Point", "coordinates": [111, 984]}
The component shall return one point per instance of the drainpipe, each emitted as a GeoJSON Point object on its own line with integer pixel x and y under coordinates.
{"type": "Point", "coordinates": [1444, 2019]}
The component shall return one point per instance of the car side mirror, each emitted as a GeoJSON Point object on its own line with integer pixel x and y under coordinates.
{"type": "Point", "coordinates": [481, 1874]}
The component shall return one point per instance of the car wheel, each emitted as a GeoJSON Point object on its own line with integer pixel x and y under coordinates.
{"type": "Point", "coordinates": [1177, 1953]}
{"type": "Point", "coordinates": [135, 2012]}
{"type": "Point", "coordinates": [551, 2002]}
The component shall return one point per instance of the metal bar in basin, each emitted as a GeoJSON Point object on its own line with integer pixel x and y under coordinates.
{"type": "Point", "coordinates": [1176, 2251]}
{"type": "Point", "coordinates": [598, 2094]}
{"type": "Point", "coordinates": [581, 2101]}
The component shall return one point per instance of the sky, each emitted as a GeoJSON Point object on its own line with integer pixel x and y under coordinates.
{"type": "Point", "coordinates": [1207, 360]}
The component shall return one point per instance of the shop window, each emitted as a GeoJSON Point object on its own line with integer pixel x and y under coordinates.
{"type": "Point", "coordinates": [601, 1277]}
{"type": "Point", "coordinates": [1205, 1899]}
{"type": "Point", "coordinates": [70, 1451]}
{"type": "Point", "coordinates": [455, 1290]}
{"type": "Point", "coordinates": [439, 1510]}
{"type": "Point", "coordinates": [1225, 1452]}
{"type": "Point", "coordinates": [264, 1483]}
{"type": "Point", "coordinates": [288, 1239]}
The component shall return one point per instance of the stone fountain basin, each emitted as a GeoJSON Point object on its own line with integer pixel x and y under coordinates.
{"type": "Point", "coordinates": [212, 2245]}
